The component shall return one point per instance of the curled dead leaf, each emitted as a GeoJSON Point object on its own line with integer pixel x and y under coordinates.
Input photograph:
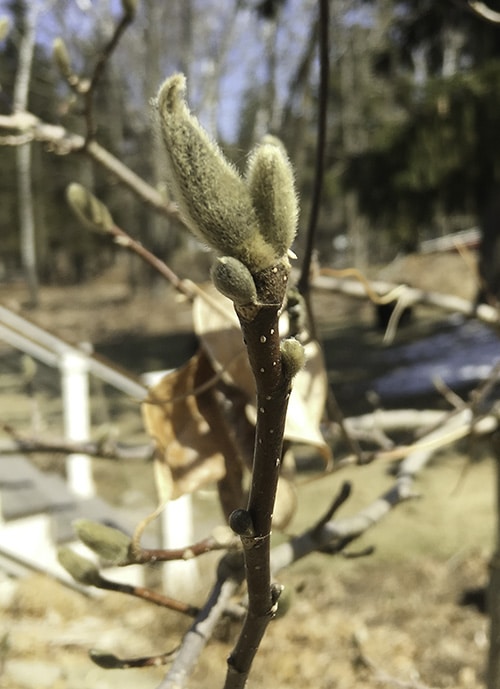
{"type": "Point", "coordinates": [184, 419]}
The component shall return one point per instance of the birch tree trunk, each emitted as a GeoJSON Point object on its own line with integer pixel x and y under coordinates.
{"type": "Point", "coordinates": [23, 155]}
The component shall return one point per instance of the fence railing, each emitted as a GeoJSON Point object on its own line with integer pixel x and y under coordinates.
{"type": "Point", "coordinates": [75, 364]}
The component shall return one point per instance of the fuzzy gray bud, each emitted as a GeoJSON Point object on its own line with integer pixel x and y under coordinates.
{"type": "Point", "coordinates": [110, 544]}
{"type": "Point", "coordinates": [233, 279]}
{"type": "Point", "coordinates": [271, 183]}
{"type": "Point", "coordinates": [80, 568]}
{"type": "Point", "coordinates": [91, 212]}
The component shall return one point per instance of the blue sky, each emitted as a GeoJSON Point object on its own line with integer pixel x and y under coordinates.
{"type": "Point", "coordinates": [244, 66]}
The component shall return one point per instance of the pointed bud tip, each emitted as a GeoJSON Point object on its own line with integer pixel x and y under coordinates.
{"type": "Point", "coordinates": [171, 93]}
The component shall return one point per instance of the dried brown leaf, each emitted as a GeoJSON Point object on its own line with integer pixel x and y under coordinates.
{"type": "Point", "coordinates": [189, 430]}
{"type": "Point", "coordinates": [220, 335]}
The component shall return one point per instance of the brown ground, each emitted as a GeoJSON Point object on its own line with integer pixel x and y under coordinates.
{"type": "Point", "coordinates": [390, 620]}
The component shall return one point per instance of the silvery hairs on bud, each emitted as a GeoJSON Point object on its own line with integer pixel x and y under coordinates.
{"type": "Point", "coordinates": [214, 200]}
{"type": "Point", "coordinates": [270, 181]}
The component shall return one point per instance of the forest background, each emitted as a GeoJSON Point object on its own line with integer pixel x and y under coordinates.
{"type": "Point", "coordinates": [413, 137]}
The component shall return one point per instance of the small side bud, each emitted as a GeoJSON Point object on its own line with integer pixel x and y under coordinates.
{"type": "Point", "coordinates": [233, 279]}
{"type": "Point", "coordinates": [240, 521]}
{"type": "Point", "coordinates": [292, 356]}
{"type": "Point", "coordinates": [82, 570]}
{"type": "Point", "coordinates": [271, 184]}
{"type": "Point", "coordinates": [110, 544]}
{"type": "Point", "coordinates": [129, 8]}
{"type": "Point", "coordinates": [89, 210]}
{"type": "Point", "coordinates": [61, 57]}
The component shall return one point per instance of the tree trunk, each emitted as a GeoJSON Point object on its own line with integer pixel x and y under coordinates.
{"type": "Point", "coordinates": [24, 186]}
{"type": "Point", "coordinates": [27, 221]}
{"type": "Point", "coordinates": [493, 669]}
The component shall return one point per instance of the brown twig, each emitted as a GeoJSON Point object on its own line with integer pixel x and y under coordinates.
{"type": "Point", "coordinates": [98, 72]}
{"type": "Point", "coordinates": [206, 545]}
{"type": "Point", "coordinates": [147, 595]}
{"type": "Point", "coordinates": [105, 449]}
{"type": "Point", "coordinates": [109, 661]}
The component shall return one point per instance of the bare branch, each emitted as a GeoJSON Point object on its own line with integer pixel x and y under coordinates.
{"type": "Point", "coordinates": [60, 141]}
{"type": "Point", "coordinates": [482, 10]}
{"type": "Point", "coordinates": [413, 295]}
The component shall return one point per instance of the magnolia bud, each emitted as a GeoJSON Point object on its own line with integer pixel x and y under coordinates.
{"type": "Point", "coordinates": [233, 279]}
{"type": "Point", "coordinates": [61, 57]}
{"type": "Point", "coordinates": [213, 199]}
{"type": "Point", "coordinates": [271, 184]}
{"type": "Point", "coordinates": [88, 209]}
{"type": "Point", "coordinates": [240, 521]}
{"type": "Point", "coordinates": [4, 27]}
{"type": "Point", "coordinates": [110, 544]}
{"type": "Point", "coordinates": [81, 569]}
{"type": "Point", "coordinates": [292, 356]}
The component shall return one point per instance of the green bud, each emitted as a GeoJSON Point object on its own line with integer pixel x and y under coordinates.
{"type": "Point", "coordinates": [81, 569]}
{"type": "Point", "coordinates": [4, 27]}
{"type": "Point", "coordinates": [233, 279]}
{"type": "Point", "coordinates": [129, 8]}
{"type": "Point", "coordinates": [292, 356]}
{"type": "Point", "coordinates": [271, 183]}
{"type": "Point", "coordinates": [110, 544]}
{"type": "Point", "coordinates": [88, 209]}
{"type": "Point", "coordinates": [61, 57]}
{"type": "Point", "coordinates": [213, 199]}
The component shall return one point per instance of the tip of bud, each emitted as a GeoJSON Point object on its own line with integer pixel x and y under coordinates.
{"type": "Point", "coordinates": [171, 93]}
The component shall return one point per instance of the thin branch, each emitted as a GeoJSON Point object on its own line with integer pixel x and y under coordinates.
{"type": "Point", "coordinates": [98, 72]}
{"type": "Point", "coordinates": [206, 545]}
{"type": "Point", "coordinates": [146, 594]}
{"type": "Point", "coordinates": [413, 295]}
{"type": "Point", "coordinates": [63, 142]}
{"type": "Point", "coordinates": [230, 575]}
{"type": "Point", "coordinates": [104, 449]}
{"type": "Point", "coordinates": [482, 10]}
{"type": "Point", "coordinates": [109, 661]}
{"type": "Point", "coordinates": [324, 23]}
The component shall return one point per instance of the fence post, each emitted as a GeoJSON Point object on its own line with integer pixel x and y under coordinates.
{"type": "Point", "coordinates": [76, 413]}
{"type": "Point", "coordinates": [180, 576]}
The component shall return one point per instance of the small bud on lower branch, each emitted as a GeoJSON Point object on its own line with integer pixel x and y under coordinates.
{"type": "Point", "coordinates": [89, 210]}
{"type": "Point", "coordinates": [110, 544]}
{"type": "Point", "coordinates": [80, 568]}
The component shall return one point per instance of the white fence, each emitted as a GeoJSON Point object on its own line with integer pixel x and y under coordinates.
{"type": "Point", "coordinates": [75, 364]}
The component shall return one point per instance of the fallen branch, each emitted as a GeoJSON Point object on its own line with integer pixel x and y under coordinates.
{"type": "Point", "coordinates": [412, 295]}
